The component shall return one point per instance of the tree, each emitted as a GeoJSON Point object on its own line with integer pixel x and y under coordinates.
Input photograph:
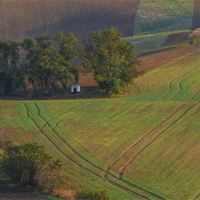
{"type": "Point", "coordinates": [21, 162]}
{"type": "Point", "coordinates": [112, 60]}
{"type": "Point", "coordinates": [45, 66]}
{"type": "Point", "coordinates": [11, 73]}
{"type": "Point", "coordinates": [69, 51]}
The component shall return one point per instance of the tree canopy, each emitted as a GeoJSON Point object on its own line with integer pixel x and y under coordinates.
{"type": "Point", "coordinates": [45, 66]}
{"type": "Point", "coordinates": [112, 60]}
{"type": "Point", "coordinates": [11, 75]}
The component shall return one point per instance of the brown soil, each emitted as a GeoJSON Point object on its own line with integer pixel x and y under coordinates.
{"type": "Point", "coordinates": [26, 18]}
{"type": "Point", "coordinates": [196, 15]}
{"type": "Point", "coordinates": [176, 38]}
{"type": "Point", "coordinates": [87, 80]}
{"type": "Point", "coordinates": [155, 60]}
{"type": "Point", "coordinates": [7, 193]}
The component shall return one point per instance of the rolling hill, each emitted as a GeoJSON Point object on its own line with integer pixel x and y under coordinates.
{"type": "Point", "coordinates": [143, 146]}
{"type": "Point", "coordinates": [155, 16]}
{"type": "Point", "coordinates": [27, 18]}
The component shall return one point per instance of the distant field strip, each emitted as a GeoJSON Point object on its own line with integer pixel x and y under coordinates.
{"type": "Point", "coordinates": [121, 170]}
{"type": "Point", "coordinates": [155, 16]}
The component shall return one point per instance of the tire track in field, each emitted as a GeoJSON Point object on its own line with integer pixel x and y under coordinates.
{"type": "Point", "coordinates": [180, 87]}
{"type": "Point", "coordinates": [57, 116]}
{"type": "Point", "coordinates": [78, 165]}
{"type": "Point", "coordinates": [64, 141]}
{"type": "Point", "coordinates": [197, 196]}
{"type": "Point", "coordinates": [121, 170]}
{"type": "Point", "coordinates": [88, 162]}
{"type": "Point", "coordinates": [170, 83]}
{"type": "Point", "coordinates": [146, 134]}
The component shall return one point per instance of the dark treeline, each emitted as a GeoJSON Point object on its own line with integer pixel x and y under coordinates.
{"type": "Point", "coordinates": [38, 63]}
{"type": "Point", "coordinates": [30, 166]}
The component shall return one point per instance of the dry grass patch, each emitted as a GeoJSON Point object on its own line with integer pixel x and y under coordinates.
{"type": "Point", "coordinates": [195, 34]}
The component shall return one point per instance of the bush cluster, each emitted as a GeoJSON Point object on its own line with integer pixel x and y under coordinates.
{"type": "Point", "coordinates": [30, 166]}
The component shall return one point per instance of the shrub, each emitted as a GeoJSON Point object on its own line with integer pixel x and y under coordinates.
{"type": "Point", "coordinates": [93, 195]}
{"type": "Point", "coordinates": [21, 162]}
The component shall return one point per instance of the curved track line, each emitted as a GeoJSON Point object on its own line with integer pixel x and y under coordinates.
{"type": "Point", "coordinates": [170, 83]}
{"type": "Point", "coordinates": [121, 170]}
{"type": "Point", "coordinates": [64, 141]}
{"type": "Point", "coordinates": [78, 165]}
{"type": "Point", "coordinates": [57, 116]}
{"type": "Point", "coordinates": [180, 87]}
{"type": "Point", "coordinates": [146, 134]}
{"type": "Point", "coordinates": [196, 196]}
{"type": "Point", "coordinates": [70, 115]}
{"type": "Point", "coordinates": [81, 157]}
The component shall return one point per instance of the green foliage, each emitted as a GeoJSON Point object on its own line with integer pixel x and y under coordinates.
{"type": "Point", "coordinates": [20, 162]}
{"type": "Point", "coordinates": [45, 66]}
{"type": "Point", "coordinates": [50, 177]}
{"type": "Point", "coordinates": [112, 60]}
{"type": "Point", "coordinates": [11, 75]}
{"type": "Point", "coordinates": [93, 195]}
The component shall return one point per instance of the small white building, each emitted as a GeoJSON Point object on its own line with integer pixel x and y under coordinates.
{"type": "Point", "coordinates": [75, 88]}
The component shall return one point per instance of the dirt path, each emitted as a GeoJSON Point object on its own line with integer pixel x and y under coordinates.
{"type": "Point", "coordinates": [154, 60]}
{"type": "Point", "coordinates": [7, 193]}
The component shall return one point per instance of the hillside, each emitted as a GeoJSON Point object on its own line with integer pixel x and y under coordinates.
{"type": "Point", "coordinates": [143, 146]}
{"type": "Point", "coordinates": [27, 18]}
{"type": "Point", "coordinates": [155, 16]}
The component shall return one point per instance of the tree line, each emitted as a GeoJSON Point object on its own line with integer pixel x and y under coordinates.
{"type": "Point", "coordinates": [29, 165]}
{"type": "Point", "coordinates": [38, 63]}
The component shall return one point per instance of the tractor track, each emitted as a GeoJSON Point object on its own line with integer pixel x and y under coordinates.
{"type": "Point", "coordinates": [64, 141]}
{"type": "Point", "coordinates": [170, 83]}
{"type": "Point", "coordinates": [146, 134]}
{"type": "Point", "coordinates": [81, 157]}
{"type": "Point", "coordinates": [69, 115]}
{"type": "Point", "coordinates": [56, 116]}
{"type": "Point", "coordinates": [180, 87]}
{"type": "Point", "coordinates": [78, 165]}
{"type": "Point", "coordinates": [196, 196]}
{"type": "Point", "coordinates": [121, 170]}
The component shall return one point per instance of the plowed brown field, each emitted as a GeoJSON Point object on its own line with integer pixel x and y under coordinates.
{"type": "Point", "coordinates": [196, 15]}
{"type": "Point", "coordinates": [27, 18]}
{"type": "Point", "coordinates": [155, 60]}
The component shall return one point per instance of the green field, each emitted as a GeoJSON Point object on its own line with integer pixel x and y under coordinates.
{"type": "Point", "coordinates": [147, 43]}
{"type": "Point", "coordinates": [155, 16]}
{"type": "Point", "coordinates": [146, 143]}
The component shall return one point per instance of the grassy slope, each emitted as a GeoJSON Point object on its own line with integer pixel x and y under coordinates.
{"type": "Point", "coordinates": [146, 43]}
{"type": "Point", "coordinates": [159, 113]}
{"type": "Point", "coordinates": [155, 16]}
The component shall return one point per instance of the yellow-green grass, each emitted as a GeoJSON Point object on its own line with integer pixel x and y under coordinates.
{"type": "Point", "coordinates": [157, 82]}
{"type": "Point", "coordinates": [172, 161]}
{"type": "Point", "coordinates": [146, 132]}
